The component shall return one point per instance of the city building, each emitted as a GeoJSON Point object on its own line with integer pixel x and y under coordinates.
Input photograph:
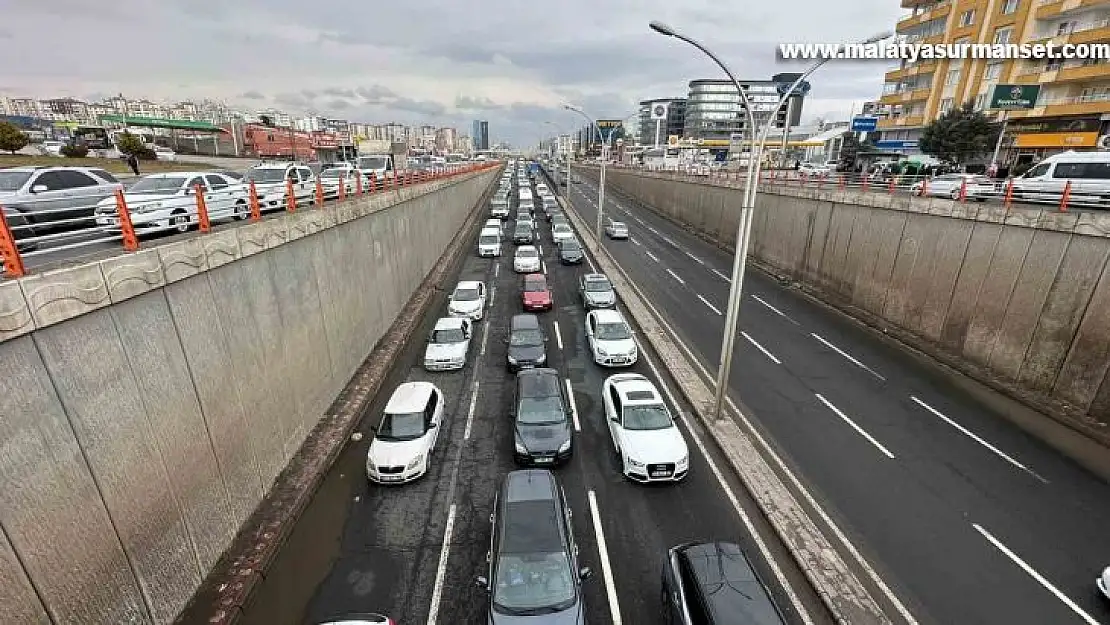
{"type": "Point", "coordinates": [480, 134]}
{"type": "Point", "coordinates": [1073, 97]}
{"type": "Point", "coordinates": [673, 125]}
{"type": "Point", "coordinates": [715, 112]}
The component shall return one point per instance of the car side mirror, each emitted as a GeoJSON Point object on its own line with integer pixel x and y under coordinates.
{"type": "Point", "coordinates": [39, 188]}
{"type": "Point", "coordinates": [482, 582]}
{"type": "Point", "coordinates": [433, 425]}
{"type": "Point", "coordinates": [585, 573]}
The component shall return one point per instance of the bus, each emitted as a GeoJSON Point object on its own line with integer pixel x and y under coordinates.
{"type": "Point", "coordinates": [93, 137]}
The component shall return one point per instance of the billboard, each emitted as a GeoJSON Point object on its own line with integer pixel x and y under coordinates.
{"type": "Point", "coordinates": [1014, 97]}
{"type": "Point", "coordinates": [611, 128]}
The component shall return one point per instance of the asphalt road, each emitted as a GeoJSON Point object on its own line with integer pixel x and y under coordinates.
{"type": "Point", "coordinates": [966, 517]}
{"type": "Point", "coordinates": [365, 547]}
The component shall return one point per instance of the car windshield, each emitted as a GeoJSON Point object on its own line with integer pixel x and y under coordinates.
{"type": "Point", "coordinates": [616, 331]}
{"type": "Point", "coordinates": [561, 228]}
{"type": "Point", "coordinates": [523, 229]}
{"type": "Point", "coordinates": [527, 253]}
{"type": "Point", "coordinates": [466, 295]}
{"type": "Point", "coordinates": [158, 184]}
{"type": "Point", "coordinates": [533, 583]}
{"type": "Point", "coordinates": [647, 417]}
{"type": "Point", "coordinates": [541, 411]}
{"type": "Point", "coordinates": [488, 239]}
{"type": "Point", "coordinates": [448, 335]}
{"type": "Point", "coordinates": [535, 286]}
{"type": "Point", "coordinates": [333, 173]}
{"type": "Point", "coordinates": [405, 426]}
{"type": "Point", "coordinates": [597, 286]}
{"type": "Point", "coordinates": [571, 246]}
{"type": "Point", "coordinates": [526, 338]}
{"type": "Point", "coordinates": [618, 226]}
{"type": "Point", "coordinates": [265, 175]}
{"type": "Point", "coordinates": [13, 180]}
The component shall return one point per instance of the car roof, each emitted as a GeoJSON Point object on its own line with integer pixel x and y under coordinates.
{"type": "Point", "coordinates": [469, 284]}
{"type": "Point", "coordinates": [527, 248]}
{"type": "Point", "coordinates": [524, 321]}
{"type": "Point", "coordinates": [449, 323]}
{"type": "Point", "coordinates": [729, 583]}
{"type": "Point", "coordinates": [595, 276]}
{"type": "Point", "coordinates": [183, 174]}
{"type": "Point", "coordinates": [541, 382]}
{"type": "Point", "coordinates": [604, 315]}
{"type": "Point", "coordinates": [409, 397]}
{"type": "Point", "coordinates": [635, 389]}
{"type": "Point", "coordinates": [490, 231]}
{"type": "Point", "coordinates": [529, 485]}
{"type": "Point", "coordinates": [535, 277]}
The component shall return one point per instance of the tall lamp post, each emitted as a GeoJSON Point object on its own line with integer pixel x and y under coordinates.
{"type": "Point", "coordinates": [744, 227]}
{"type": "Point", "coordinates": [601, 175]}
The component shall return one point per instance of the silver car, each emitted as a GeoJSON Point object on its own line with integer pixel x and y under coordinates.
{"type": "Point", "coordinates": [39, 200]}
{"type": "Point", "coordinates": [616, 230]}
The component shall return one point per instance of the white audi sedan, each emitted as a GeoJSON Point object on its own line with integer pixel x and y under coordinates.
{"type": "Point", "coordinates": [644, 434]}
{"type": "Point", "coordinates": [468, 300]}
{"type": "Point", "coordinates": [610, 339]}
{"type": "Point", "coordinates": [404, 439]}
{"type": "Point", "coordinates": [526, 259]}
{"type": "Point", "coordinates": [448, 344]}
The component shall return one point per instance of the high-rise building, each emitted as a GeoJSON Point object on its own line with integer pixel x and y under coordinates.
{"type": "Point", "coordinates": [673, 125]}
{"type": "Point", "coordinates": [480, 134]}
{"type": "Point", "coordinates": [714, 110]}
{"type": "Point", "coordinates": [1074, 94]}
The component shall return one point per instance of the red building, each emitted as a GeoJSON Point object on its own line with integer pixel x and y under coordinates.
{"type": "Point", "coordinates": [266, 142]}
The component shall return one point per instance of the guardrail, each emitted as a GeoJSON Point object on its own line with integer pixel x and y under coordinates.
{"type": "Point", "coordinates": [112, 215]}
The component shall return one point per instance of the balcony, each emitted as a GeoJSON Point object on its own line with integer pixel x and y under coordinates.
{"type": "Point", "coordinates": [906, 95]}
{"type": "Point", "coordinates": [912, 4]}
{"type": "Point", "coordinates": [1076, 105]}
{"type": "Point", "coordinates": [921, 67]}
{"type": "Point", "coordinates": [1083, 73]}
{"type": "Point", "coordinates": [1083, 32]}
{"type": "Point", "coordinates": [941, 9]}
{"type": "Point", "coordinates": [902, 121]}
{"type": "Point", "coordinates": [1048, 9]}
{"type": "Point", "coordinates": [1035, 73]}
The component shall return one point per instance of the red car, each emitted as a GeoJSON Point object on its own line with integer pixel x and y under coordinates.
{"type": "Point", "coordinates": [536, 295]}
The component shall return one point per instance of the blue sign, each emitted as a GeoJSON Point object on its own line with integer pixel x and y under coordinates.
{"type": "Point", "coordinates": [801, 90]}
{"type": "Point", "coordinates": [896, 144]}
{"type": "Point", "coordinates": [862, 123]}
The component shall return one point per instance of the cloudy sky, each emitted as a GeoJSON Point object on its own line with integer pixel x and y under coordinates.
{"type": "Point", "coordinates": [445, 62]}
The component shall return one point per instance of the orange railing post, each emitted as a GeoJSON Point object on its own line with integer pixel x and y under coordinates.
{"type": "Point", "coordinates": [256, 210]}
{"type": "Point", "coordinates": [890, 187]}
{"type": "Point", "coordinates": [127, 229]}
{"type": "Point", "coordinates": [319, 193]}
{"type": "Point", "coordinates": [342, 188]}
{"type": "Point", "coordinates": [1008, 198]}
{"type": "Point", "coordinates": [1065, 197]}
{"type": "Point", "coordinates": [841, 184]}
{"type": "Point", "coordinates": [9, 250]}
{"type": "Point", "coordinates": [373, 183]}
{"type": "Point", "coordinates": [924, 187]}
{"type": "Point", "coordinates": [290, 197]}
{"type": "Point", "coordinates": [963, 190]}
{"type": "Point", "coordinates": [866, 183]}
{"type": "Point", "coordinates": [202, 210]}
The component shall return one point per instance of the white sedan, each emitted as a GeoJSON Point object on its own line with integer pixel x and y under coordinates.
{"type": "Point", "coordinates": [949, 185]}
{"type": "Point", "coordinates": [448, 344]}
{"type": "Point", "coordinates": [610, 339]}
{"type": "Point", "coordinates": [561, 232]}
{"type": "Point", "coordinates": [403, 442]}
{"type": "Point", "coordinates": [644, 434]}
{"type": "Point", "coordinates": [1103, 582]}
{"type": "Point", "coordinates": [159, 202]}
{"type": "Point", "coordinates": [468, 300]}
{"type": "Point", "coordinates": [526, 259]}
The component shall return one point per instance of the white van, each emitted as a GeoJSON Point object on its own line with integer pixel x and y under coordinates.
{"type": "Point", "coordinates": [489, 242]}
{"type": "Point", "coordinates": [526, 202]}
{"type": "Point", "coordinates": [499, 208]}
{"type": "Point", "coordinates": [1089, 173]}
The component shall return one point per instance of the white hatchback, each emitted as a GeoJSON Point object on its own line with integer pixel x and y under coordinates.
{"type": "Point", "coordinates": [406, 436]}
{"type": "Point", "coordinates": [610, 339]}
{"type": "Point", "coordinates": [468, 300]}
{"type": "Point", "coordinates": [448, 344]}
{"type": "Point", "coordinates": [644, 434]}
{"type": "Point", "coordinates": [526, 259]}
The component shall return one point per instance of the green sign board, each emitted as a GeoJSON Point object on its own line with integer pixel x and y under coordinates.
{"type": "Point", "coordinates": [1014, 97]}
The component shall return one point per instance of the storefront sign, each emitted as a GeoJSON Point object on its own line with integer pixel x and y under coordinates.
{"type": "Point", "coordinates": [1014, 97]}
{"type": "Point", "coordinates": [1056, 140]}
{"type": "Point", "coordinates": [324, 140]}
{"type": "Point", "coordinates": [1085, 124]}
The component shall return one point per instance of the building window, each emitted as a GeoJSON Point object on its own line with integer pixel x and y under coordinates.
{"type": "Point", "coordinates": [980, 101]}
{"type": "Point", "coordinates": [945, 105]}
{"type": "Point", "coordinates": [1010, 6]}
{"type": "Point", "coordinates": [1065, 28]}
{"type": "Point", "coordinates": [1002, 35]}
{"type": "Point", "coordinates": [992, 71]}
{"type": "Point", "coordinates": [953, 78]}
{"type": "Point", "coordinates": [967, 18]}
{"type": "Point", "coordinates": [1053, 65]}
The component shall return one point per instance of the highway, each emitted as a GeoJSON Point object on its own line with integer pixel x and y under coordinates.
{"type": "Point", "coordinates": [967, 518]}
{"type": "Point", "coordinates": [413, 551]}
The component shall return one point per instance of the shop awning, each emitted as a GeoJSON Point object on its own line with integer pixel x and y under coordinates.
{"type": "Point", "coordinates": [159, 122]}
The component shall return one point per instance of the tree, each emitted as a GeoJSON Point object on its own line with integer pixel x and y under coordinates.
{"type": "Point", "coordinates": [959, 135]}
{"type": "Point", "coordinates": [73, 150]}
{"type": "Point", "coordinates": [128, 143]}
{"type": "Point", "coordinates": [12, 139]}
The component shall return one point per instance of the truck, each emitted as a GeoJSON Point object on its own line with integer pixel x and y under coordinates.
{"type": "Point", "coordinates": [380, 159]}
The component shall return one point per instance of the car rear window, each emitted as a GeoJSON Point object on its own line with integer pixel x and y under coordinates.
{"type": "Point", "coordinates": [100, 173]}
{"type": "Point", "coordinates": [641, 395]}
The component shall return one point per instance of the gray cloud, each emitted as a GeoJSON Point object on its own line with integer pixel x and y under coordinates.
{"type": "Point", "coordinates": [468, 103]}
{"type": "Point", "coordinates": [339, 92]}
{"type": "Point", "coordinates": [375, 94]}
{"type": "Point", "coordinates": [252, 95]}
{"type": "Point", "coordinates": [338, 105]}
{"type": "Point", "coordinates": [292, 99]}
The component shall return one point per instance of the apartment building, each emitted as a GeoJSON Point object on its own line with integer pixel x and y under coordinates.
{"type": "Point", "coordinates": [1074, 95]}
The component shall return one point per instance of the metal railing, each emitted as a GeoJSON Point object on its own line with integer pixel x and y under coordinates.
{"type": "Point", "coordinates": [108, 217]}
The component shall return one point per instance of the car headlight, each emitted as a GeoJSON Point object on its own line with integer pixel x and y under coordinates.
{"type": "Point", "coordinates": [565, 446]}
{"type": "Point", "coordinates": [635, 464]}
{"type": "Point", "coordinates": [601, 351]}
{"type": "Point", "coordinates": [684, 461]}
{"type": "Point", "coordinates": [512, 361]}
{"type": "Point", "coordinates": [520, 449]}
{"type": "Point", "coordinates": [415, 462]}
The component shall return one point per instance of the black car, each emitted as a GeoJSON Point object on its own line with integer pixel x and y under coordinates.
{"type": "Point", "coordinates": [522, 234]}
{"type": "Point", "coordinates": [715, 584]}
{"type": "Point", "coordinates": [570, 252]}
{"type": "Point", "coordinates": [541, 422]}
{"type": "Point", "coordinates": [533, 559]}
{"type": "Point", "coordinates": [527, 343]}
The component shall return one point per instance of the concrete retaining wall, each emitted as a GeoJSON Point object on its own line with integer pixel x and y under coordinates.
{"type": "Point", "coordinates": [147, 402]}
{"type": "Point", "coordinates": [1019, 297]}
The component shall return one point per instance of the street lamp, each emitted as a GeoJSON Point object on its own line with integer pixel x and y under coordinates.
{"type": "Point", "coordinates": [744, 227]}
{"type": "Point", "coordinates": [601, 175]}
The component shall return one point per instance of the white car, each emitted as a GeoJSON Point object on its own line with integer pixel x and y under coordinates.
{"type": "Point", "coordinates": [644, 434]}
{"type": "Point", "coordinates": [163, 153]}
{"type": "Point", "coordinates": [814, 169]}
{"type": "Point", "coordinates": [270, 180]}
{"type": "Point", "coordinates": [163, 202]}
{"type": "Point", "coordinates": [949, 185]}
{"type": "Point", "coordinates": [1103, 583]}
{"type": "Point", "coordinates": [493, 223]}
{"type": "Point", "coordinates": [330, 177]}
{"type": "Point", "coordinates": [610, 339]}
{"type": "Point", "coordinates": [468, 300]}
{"type": "Point", "coordinates": [561, 232]}
{"type": "Point", "coordinates": [448, 344]}
{"type": "Point", "coordinates": [489, 242]}
{"type": "Point", "coordinates": [404, 439]}
{"type": "Point", "coordinates": [526, 259]}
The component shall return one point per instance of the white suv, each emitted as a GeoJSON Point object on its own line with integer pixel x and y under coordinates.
{"type": "Point", "coordinates": [489, 242]}
{"type": "Point", "coordinates": [270, 180]}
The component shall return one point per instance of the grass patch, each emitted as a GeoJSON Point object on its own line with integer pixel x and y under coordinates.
{"type": "Point", "coordinates": [113, 165]}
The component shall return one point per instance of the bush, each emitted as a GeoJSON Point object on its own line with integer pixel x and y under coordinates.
{"type": "Point", "coordinates": [72, 150]}
{"type": "Point", "coordinates": [12, 139]}
{"type": "Point", "coordinates": [128, 144]}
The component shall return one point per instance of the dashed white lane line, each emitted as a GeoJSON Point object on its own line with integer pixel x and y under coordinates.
{"type": "Point", "coordinates": [711, 306]}
{"type": "Point", "coordinates": [606, 567]}
{"type": "Point", "coordinates": [721, 275]}
{"type": "Point", "coordinates": [496, 270]}
{"type": "Point", "coordinates": [668, 240]}
{"type": "Point", "coordinates": [761, 348]}
{"type": "Point", "coordinates": [773, 309]}
{"type": "Point", "coordinates": [652, 256]}
{"type": "Point", "coordinates": [470, 411]}
{"type": "Point", "coordinates": [847, 355]}
{"type": "Point", "coordinates": [558, 335]}
{"type": "Point", "coordinates": [485, 339]}
{"type": "Point", "coordinates": [573, 406]}
{"type": "Point", "coordinates": [1035, 575]}
{"type": "Point", "coordinates": [675, 276]}
{"type": "Point", "coordinates": [441, 569]}
{"type": "Point", "coordinates": [634, 241]}
{"type": "Point", "coordinates": [492, 294]}
{"type": "Point", "coordinates": [975, 437]}
{"type": "Point", "coordinates": [695, 259]}
{"type": "Point", "coordinates": [543, 267]}
{"type": "Point", "coordinates": [857, 428]}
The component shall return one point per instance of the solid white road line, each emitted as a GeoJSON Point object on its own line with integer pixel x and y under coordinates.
{"type": "Point", "coordinates": [768, 557]}
{"type": "Point", "coordinates": [857, 428]}
{"type": "Point", "coordinates": [558, 334]}
{"type": "Point", "coordinates": [675, 276]}
{"type": "Point", "coordinates": [773, 309]}
{"type": "Point", "coordinates": [573, 406]}
{"type": "Point", "coordinates": [711, 306]}
{"type": "Point", "coordinates": [721, 275]}
{"type": "Point", "coordinates": [847, 355]}
{"type": "Point", "coordinates": [606, 567]}
{"type": "Point", "coordinates": [998, 452]}
{"type": "Point", "coordinates": [652, 256]}
{"type": "Point", "coordinates": [695, 259]}
{"type": "Point", "coordinates": [1035, 575]}
{"type": "Point", "coordinates": [761, 348]}
{"type": "Point", "coordinates": [470, 411]}
{"type": "Point", "coordinates": [441, 570]}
